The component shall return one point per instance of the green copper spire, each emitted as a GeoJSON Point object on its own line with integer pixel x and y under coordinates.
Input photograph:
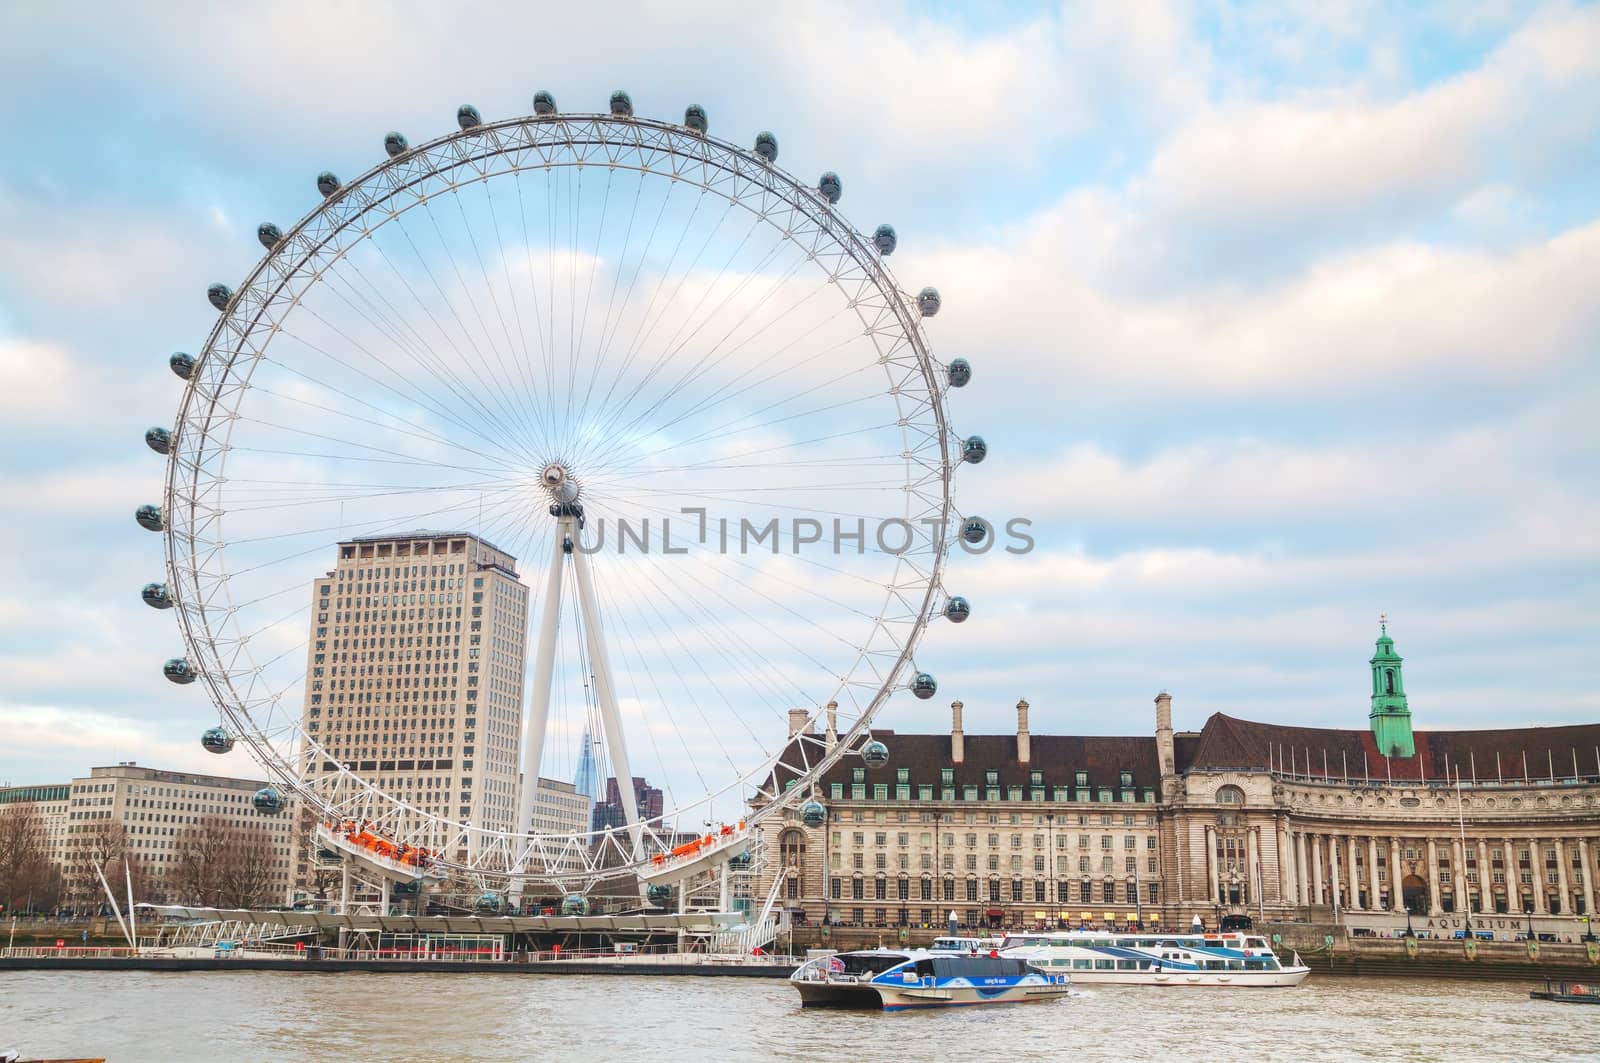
{"type": "Point", "coordinates": [1390, 718]}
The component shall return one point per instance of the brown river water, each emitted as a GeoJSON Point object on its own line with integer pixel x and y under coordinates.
{"type": "Point", "coordinates": [176, 1018]}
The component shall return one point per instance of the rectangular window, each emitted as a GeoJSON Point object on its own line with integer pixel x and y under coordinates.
{"type": "Point", "coordinates": [991, 778]}
{"type": "Point", "coordinates": [947, 776]}
{"type": "Point", "coordinates": [880, 791]}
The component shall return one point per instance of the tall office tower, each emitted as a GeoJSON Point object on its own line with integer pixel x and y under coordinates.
{"type": "Point", "coordinates": [415, 674]}
{"type": "Point", "coordinates": [587, 782]}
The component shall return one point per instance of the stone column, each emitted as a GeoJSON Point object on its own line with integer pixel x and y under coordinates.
{"type": "Point", "coordinates": [1588, 880]}
{"type": "Point", "coordinates": [1289, 890]}
{"type": "Point", "coordinates": [1251, 850]}
{"type": "Point", "coordinates": [1561, 877]}
{"type": "Point", "coordinates": [1211, 865]}
{"type": "Point", "coordinates": [1302, 871]}
{"type": "Point", "coordinates": [1375, 901]}
{"type": "Point", "coordinates": [1513, 878]}
{"type": "Point", "coordinates": [1536, 867]}
{"type": "Point", "coordinates": [1434, 907]}
{"type": "Point", "coordinates": [1485, 879]}
{"type": "Point", "coordinates": [1319, 884]}
{"type": "Point", "coordinates": [1353, 898]}
{"type": "Point", "coordinates": [1458, 877]}
{"type": "Point", "coordinates": [1397, 893]}
{"type": "Point", "coordinates": [1335, 890]}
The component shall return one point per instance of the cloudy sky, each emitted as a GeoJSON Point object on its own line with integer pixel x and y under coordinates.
{"type": "Point", "coordinates": [1281, 316]}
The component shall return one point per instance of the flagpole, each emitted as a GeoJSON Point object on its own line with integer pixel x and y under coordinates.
{"type": "Point", "coordinates": [1461, 824]}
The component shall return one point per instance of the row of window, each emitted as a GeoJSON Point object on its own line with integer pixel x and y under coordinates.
{"type": "Point", "coordinates": [975, 889]}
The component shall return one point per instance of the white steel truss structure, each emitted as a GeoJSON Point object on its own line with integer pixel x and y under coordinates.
{"type": "Point", "coordinates": [282, 365]}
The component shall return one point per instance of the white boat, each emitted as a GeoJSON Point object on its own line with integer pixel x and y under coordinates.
{"type": "Point", "coordinates": [1105, 957]}
{"type": "Point", "coordinates": [901, 979]}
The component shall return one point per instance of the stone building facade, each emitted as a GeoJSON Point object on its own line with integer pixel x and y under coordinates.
{"type": "Point", "coordinates": [1375, 827]}
{"type": "Point", "coordinates": [415, 673]}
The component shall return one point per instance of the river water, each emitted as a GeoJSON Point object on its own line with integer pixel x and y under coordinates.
{"type": "Point", "coordinates": [175, 1018]}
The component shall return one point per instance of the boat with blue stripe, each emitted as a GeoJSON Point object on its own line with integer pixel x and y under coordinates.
{"type": "Point", "coordinates": [903, 979]}
{"type": "Point", "coordinates": [1194, 959]}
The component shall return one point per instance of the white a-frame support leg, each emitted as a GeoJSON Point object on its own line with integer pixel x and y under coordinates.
{"type": "Point", "coordinates": [539, 696]}
{"type": "Point", "coordinates": [616, 745]}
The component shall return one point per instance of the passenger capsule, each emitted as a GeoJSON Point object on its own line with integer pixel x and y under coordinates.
{"type": "Point", "coordinates": [156, 595]}
{"type": "Point", "coordinates": [327, 184]}
{"type": "Point", "coordinates": [268, 801]}
{"type": "Point", "coordinates": [331, 856]}
{"type": "Point", "coordinates": [875, 754]}
{"type": "Point", "coordinates": [957, 609]}
{"type": "Point", "coordinates": [181, 364]}
{"type": "Point", "coordinates": [975, 530]}
{"type": "Point", "coordinates": [767, 146]}
{"type": "Point", "coordinates": [219, 294]}
{"type": "Point", "coordinates": [885, 240]}
{"type": "Point", "coordinates": [974, 450]}
{"type": "Point", "coordinates": [740, 862]}
{"type": "Point", "coordinates": [178, 670]}
{"type": "Point", "coordinates": [924, 685]}
{"type": "Point", "coordinates": [830, 186]}
{"type": "Point", "coordinates": [467, 116]}
{"type": "Point", "coordinates": [622, 107]}
{"type": "Point", "coordinates": [574, 904]}
{"type": "Point", "coordinates": [149, 518]}
{"type": "Point", "coordinates": [395, 143]}
{"type": "Point", "coordinates": [960, 372]}
{"type": "Point", "coordinates": [695, 118]}
{"type": "Point", "coordinates": [216, 740]}
{"type": "Point", "coordinates": [928, 301]}
{"type": "Point", "coordinates": [658, 894]}
{"type": "Point", "coordinates": [158, 440]}
{"type": "Point", "coordinates": [544, 104]}
{"type": "Point", "coordinates": [812, 814]}
{"type": "Point", "coordinates": [268, 234]}
{"type": "Point", "coordinates": [488, 903]}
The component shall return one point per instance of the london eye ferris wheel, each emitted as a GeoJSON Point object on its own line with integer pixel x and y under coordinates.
{"type": "Point", "coordinates": [652, 379]}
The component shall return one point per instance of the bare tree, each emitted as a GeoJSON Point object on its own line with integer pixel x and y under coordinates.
{"type": "Point", "coordinates": [106, 845]}
{"type": "Point", "coordinates": [223, 864]}
{"type": "Point", "coordinates": [29, 881]}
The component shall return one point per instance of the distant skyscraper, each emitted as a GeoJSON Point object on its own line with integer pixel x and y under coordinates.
{"type": "Point", "coordinates": [586, 782]}
{"type": "Point", "coordinates": [415, 670]}
{"type": "Point", "coordinates": [610, 813]}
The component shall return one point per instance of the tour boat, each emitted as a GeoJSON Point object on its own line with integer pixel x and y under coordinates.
{"type": "Point", "coordinates": [1093, 956]}
{"type": "Point", "coordinates": [901, 979]}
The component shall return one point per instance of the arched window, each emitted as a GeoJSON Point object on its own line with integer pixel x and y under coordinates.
{"type": "Point", "coordinates": [1230, 795]}
{"type": "Point", "coordinates": [792, 848]}
{"type": "Point", "coordinates": [1388, 680]}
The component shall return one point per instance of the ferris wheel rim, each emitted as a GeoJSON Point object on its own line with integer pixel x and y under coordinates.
{"type": "Point", "coordinates": [185, 562]}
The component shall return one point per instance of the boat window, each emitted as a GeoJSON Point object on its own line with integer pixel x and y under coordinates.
{"type": "Point", "coordinates": [975, 967]}
{"type": "Point", "coordinates": [924, 968]}
{"type": "Point", "coordinates": [1105, 965]}
{"type": "Point", "coordinates": [870, 962]}
{"type": "Point", "coordinates": [1127, 965]}
{"type": "Point", "coordinates": [1082, 965]}
{"type": "Point", "coordinates": [1255, 965]}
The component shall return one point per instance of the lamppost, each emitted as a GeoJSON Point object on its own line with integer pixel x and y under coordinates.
{"type": "Point", "coordinates": [1050, 866]}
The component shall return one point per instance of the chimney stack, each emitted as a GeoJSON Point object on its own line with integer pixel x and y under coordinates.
{"type": "Point", "coordinates": [1164, 745]}
{"type": "Point", "coordinates": [799, 722]}
{"type": "Point", "coordinates": [958, 739]}
{"type": "Point", "coordinates": [1024, 740]}
{"type": "Point", "coordinates": [832, 736]}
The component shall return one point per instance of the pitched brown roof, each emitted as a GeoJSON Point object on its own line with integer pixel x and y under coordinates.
{"type": "Point", "coordinates": [1549, 752]}
{"type": "Point", "coordinates": [1058, 757]}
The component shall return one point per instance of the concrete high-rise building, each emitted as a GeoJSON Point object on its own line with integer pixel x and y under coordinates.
{"type": "Point", "coordinates": [414, 673]}
{"type": "Point", "coordinates": [558, 808]}
{"type": "Point", "coordinates": [49, 805]}
{"type": "Point", "coordinates": [143, 812]}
